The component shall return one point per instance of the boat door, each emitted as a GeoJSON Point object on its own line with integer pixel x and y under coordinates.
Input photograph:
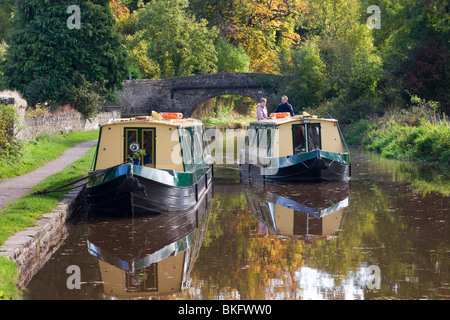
{"type": "Point", "coordinates": [145, 138]}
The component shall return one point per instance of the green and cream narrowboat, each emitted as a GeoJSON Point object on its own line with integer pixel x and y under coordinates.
{"type": "Point", "coordinates": [298, 148]}
{"type": "Point", "coordinates": [149, 164]}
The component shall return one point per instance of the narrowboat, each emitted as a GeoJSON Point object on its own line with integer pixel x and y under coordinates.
{"type": "Point", "coordinates": [149, 164]}
{"type": "Point", "coordinates": [297, 148]}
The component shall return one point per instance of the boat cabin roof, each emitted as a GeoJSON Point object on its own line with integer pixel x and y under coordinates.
{"type": "Point", "coordinates": [279, 121]}
{"type": "Point", "coordinates": [180, 123]}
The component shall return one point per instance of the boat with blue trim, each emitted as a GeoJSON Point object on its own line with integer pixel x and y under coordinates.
{"type": "Point", "coordinates": [295, 148]}
{"type": "Point", "coordinates": [149, 164]}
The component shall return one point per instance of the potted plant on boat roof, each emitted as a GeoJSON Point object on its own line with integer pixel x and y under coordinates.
{"type": "Point", "coordinates": [137, 156]}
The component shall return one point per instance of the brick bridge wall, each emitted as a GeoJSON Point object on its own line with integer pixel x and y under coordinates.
{"type": "Point", "coordinates": [184, 94]}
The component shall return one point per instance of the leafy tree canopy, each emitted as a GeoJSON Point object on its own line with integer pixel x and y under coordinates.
{"type": "Point", "coordinates": [46, 59]}
{"type": "Point", "coordinates": [176, 42]}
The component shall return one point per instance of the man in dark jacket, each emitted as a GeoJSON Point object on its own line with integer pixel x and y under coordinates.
{"type": "Point", "coordinates": [284, 106]}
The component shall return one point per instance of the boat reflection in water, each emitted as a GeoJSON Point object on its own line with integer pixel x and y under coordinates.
{"type": "Point", "coordinates": [307, 211]}
{"type": "Point", "coordinates": [148, 255]}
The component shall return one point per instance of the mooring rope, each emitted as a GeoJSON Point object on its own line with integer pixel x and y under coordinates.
{"type": "Point", "coordinates": [96, 173]}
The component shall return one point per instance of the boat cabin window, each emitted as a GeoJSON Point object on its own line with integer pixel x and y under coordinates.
{"type": "Point", "coordinates": [192, 146]}
{"type": "Point", "coordinates": [186, 147]}
{"type": "Point", "coordinates": [145, 139]}
{"type": "Point", "coordinates": [143, 281]}
{"type": "Point", "coordinates": [148, 138]}
{"type": "Point", "coordinates": [314, 136]}
{"type": "Point", "coordinates": [299, 138]}
{"type": "Point", "coordinates": [130, 138]}
{"type": "Point", "coordinates": [306, 137]}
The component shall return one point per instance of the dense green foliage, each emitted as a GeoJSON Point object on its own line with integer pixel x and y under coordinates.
{"type": "Point", "coordinates": [425, 142]}
{"type": "Point", "coordinates": [231, 58]}
{"type": "Point", "coordinates": [165, 41]}
{"type": "Point", "coordinates": [177, 43]}
{"type": "Point", "coordinates": [416, 133]}
{"type": "Point", "coordinates": [6, 10]}
{"type": "Point", "coordinates": [48, 61]}
{"type": "Point", "coordinates": [308, 85]}
{"type": "Point", "coordinates": [9, 124]}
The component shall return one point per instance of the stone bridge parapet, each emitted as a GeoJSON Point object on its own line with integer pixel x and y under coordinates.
{"type": "Point", "coordinates": [184, 94]}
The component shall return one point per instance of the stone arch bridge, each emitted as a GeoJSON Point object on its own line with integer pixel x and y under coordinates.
{"type": "Point", "coordinates": [184, 94]}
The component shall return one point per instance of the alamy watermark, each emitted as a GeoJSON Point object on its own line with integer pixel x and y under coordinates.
{"type": "Point", "coordinates": [234, 146]}
{"type": "Point", "coordinates": [74, 21]}
{"type": "Point", "coordinates": [373, 280]}
{"type": "Point", "coordinates": [374, 21]}
{"type": "Point", "coordinates": [73, 281]}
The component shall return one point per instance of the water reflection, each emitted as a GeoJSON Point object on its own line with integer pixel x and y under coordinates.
{"type": "Point", "coordinates": [301, 210]}
{"type": "Point", "coordinates": [148, 255]}
{"type": "Point", "coordinates": [273, 241]}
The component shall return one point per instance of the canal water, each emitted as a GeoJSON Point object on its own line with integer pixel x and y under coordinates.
{"type": "Point", "coordinates": [382, 235]}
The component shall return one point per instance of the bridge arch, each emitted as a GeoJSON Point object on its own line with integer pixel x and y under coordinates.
{"type": "Point", "coordinates": [184, 94]}
{"type": "Point", "coordinates": [243, 105]}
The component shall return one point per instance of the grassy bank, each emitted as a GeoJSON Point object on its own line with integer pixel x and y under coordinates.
{"type": "Point", "coordinates": [428, 143]}
{"type": "Point", "coordinates": [406, 135]}
{"type": "Point", "coordinates": [23, 212]}
{"type": "Point", "coordinates": [8, 279]}
{"type": "Point", "coordinates": [38, 152]}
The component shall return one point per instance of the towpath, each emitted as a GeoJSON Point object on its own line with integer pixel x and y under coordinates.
{"type": "Point", "coordinates": [14, 188]}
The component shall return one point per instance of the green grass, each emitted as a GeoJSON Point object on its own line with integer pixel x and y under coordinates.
{"type": "Point", "coordinates": [38, 152]}
{"type": "Point", "coordinates": [23, 213]}
{"type": "Point", "coordinates": [427, 142]}
{"type": "Point", "coordinates": [227, 121]}
{"type": "Point", "coordinates": [8, 278]}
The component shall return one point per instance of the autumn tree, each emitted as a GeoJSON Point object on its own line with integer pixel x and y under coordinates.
{"type": "Point", "coordinates": [263, 28]}
{"type": "Point", "coordinates": [428, 76]}
{"type": "Point", "coordinates": [119, 9]}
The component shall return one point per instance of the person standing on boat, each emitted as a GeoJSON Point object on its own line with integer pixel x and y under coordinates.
{"type": "Point", "coordinates": [284, 106]}
{"type": "Point", "coordinates": [261, 110]}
